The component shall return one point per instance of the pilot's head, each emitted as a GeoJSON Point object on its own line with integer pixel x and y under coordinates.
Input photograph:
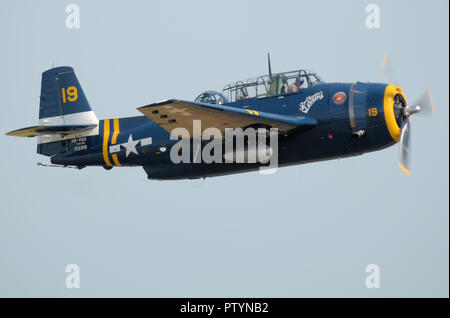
{"type": "Point", "coordinates": [299, 82]}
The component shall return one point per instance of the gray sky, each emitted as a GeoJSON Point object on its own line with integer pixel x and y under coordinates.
{"type": "Point", "coordinates": [306, 231]}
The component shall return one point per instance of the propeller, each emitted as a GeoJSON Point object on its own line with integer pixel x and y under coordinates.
{"type": "Point", "coordinates": [404, 147]}
{"type": "Point", "coordinates": [424, 105]}
{"type": "Point", "coordinates": [388, 69]}
{"type": "Point", "coordinates": [426, 102]}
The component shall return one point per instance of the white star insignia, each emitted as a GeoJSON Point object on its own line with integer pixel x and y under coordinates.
{"type": "Point", "coordinates": [130, 146]}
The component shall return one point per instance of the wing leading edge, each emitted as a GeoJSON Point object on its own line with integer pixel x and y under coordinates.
{"type": "Point", "coordinates": [175, 113]}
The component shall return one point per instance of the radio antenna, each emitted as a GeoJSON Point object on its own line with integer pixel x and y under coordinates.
{"type": "Point", "coordinates": [268, 61]}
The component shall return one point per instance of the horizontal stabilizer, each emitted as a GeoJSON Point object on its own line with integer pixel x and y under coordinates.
{"type": "Point", "coordinates": [49, 129]}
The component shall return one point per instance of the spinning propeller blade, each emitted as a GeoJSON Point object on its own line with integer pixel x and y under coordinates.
{"type": "Point", "coordinates": [404, 147]}
{"type": "Point", "coordinates": [424, 104]}
{"type": "Point", "coordinates": [388, 69]}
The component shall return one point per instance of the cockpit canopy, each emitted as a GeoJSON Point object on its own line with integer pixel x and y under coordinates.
{"type": "Point", "coordinates": [211, 97]}
{"type": "Point", "coordinates": [271, 85]}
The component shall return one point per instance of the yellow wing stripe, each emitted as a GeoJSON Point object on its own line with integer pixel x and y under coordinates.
{"type": "Point", "coordinates": [105, 142]}
{"type": "Point", "coordinates": [253, 112]}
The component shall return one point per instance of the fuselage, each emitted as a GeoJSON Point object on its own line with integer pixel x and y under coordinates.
{"type": "Point", "coordinates": [353, 118]}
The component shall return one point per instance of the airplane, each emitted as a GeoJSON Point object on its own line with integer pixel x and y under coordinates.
{"type": "Point", "coordinates": [311, 120]}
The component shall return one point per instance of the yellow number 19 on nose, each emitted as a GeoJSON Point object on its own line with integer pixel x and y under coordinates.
{"type": "Point", "coordinates": [373, 112]}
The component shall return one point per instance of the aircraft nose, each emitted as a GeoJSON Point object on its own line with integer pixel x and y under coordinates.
{"type": "Point", "coordinates": [394, 106]}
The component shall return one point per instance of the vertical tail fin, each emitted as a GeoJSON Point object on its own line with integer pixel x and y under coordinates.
{"type": "Point", "coordinates": [62, 103]}
{"type": "Point", "coordinates": [63, 100]}
{"type": "Point", "coordinates": [64, 115]}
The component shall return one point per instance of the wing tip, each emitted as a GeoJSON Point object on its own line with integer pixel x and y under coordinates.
{"type": "Point", "coordinates": [20, 133]}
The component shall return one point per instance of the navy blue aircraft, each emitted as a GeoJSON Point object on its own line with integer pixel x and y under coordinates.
{"type": "Point", "coordinates": [315, 121]}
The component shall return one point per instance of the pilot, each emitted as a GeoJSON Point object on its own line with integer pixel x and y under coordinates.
{"type": "Point", "coordinates": [284, 87]}
{"type": "Point", "coordinates": [294, 87]}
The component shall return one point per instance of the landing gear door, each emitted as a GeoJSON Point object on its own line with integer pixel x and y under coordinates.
{"type": "Point", "coordinates": [357, 107]}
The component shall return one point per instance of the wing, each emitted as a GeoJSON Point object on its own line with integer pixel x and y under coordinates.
{"type": "Point", "coordinates": [174, 113]}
